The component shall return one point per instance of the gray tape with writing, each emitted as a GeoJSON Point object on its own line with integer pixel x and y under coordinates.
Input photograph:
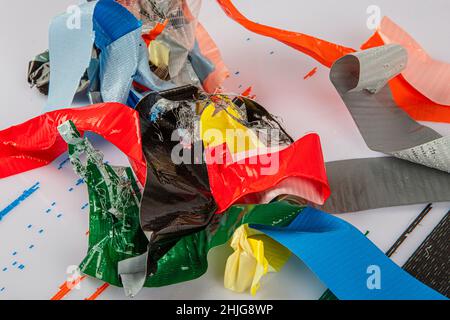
{"type": "Point", "coordinates": [361, 184]}
{"type": "Point", "coordinates": [361, 81]}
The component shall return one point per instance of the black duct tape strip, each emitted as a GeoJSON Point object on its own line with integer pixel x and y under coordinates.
{"type": "Point", "coordinates": [430, 263]}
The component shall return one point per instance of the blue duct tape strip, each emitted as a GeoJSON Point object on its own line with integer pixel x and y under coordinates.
{"type": "Point", "coordinates": [134, 98]}
{"type": "Point", "coordinates": [123, 61]}
{"type": "Point", "coordinates": [71, 39]}
{"type": "Point", "coordinates": [346, 261]}
{"type": "Point", "coordinates": [124, 55]}
{"type": "Point", "coordinates": [111, 22]}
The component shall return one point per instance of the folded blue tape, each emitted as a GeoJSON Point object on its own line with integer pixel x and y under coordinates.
{"type": "Point", "coordinates": [348, 263]}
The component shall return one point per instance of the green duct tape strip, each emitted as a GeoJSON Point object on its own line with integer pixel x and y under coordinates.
{"type": "Point", "coordinates": [115, 232]}
{"type": "Point", "coordinates": [221, 229]}
{"type": "Point", "coordinates": [114, 197]}
{"type": "Point", "coordinates": [187, 260]}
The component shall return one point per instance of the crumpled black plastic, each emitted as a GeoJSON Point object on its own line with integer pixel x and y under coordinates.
{"type": "Point", "coordinates": [177, 199]}
{"type": "Point", "coordinates": [259, 117]}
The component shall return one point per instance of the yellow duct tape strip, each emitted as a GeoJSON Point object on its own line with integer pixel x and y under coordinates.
{"type": "Point", "coordinates": [218, 126]}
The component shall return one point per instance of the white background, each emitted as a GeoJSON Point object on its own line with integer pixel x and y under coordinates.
{"type": "Point", "coordinates": [276, 73]}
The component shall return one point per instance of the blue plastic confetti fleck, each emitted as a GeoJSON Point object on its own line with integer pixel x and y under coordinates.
{"type": "Point", "coordinates": [61, 165]}
{"type": "Point", "coordinates": [20, 199]}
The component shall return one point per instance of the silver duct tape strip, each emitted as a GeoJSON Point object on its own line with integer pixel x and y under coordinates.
{"type": "Point", "coordinates": [360, 80]}
{"type": "Point", "coordinates": [364, 184]}
{"type": "Point", "coordinates": [133, 273]}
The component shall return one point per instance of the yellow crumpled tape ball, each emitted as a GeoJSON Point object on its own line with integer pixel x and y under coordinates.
{"type": "Point", "coordinates": [254, 255]}
{"type": "Point", "coordinates": [220, 126]}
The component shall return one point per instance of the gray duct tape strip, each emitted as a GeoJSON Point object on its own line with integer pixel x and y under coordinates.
{"type": "Point", "coordinates": [363, 184]}
{"type": "Point", "coordinates": [360, 79]}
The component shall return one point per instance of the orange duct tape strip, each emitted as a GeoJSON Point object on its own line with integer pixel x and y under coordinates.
{"type": "Point", "coordinates": [66, 288]}
{"type": "Point", "coordinates": [209, 49]}
{"type": "Point", "coordinates": [423, 84]}
{"type": "Point", "coordinates": [323, 51]}
{"type": "Point", "coordinates": [98, 292]}
{"type": "Point", "coordinates": [429, 76]}
{"type": "Point", "coordinates": [419, 94]}
{"type": "Point", "coordinates": [154, 33]}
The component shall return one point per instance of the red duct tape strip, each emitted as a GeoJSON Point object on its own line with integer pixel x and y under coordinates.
{"type": "Point", "coordinates": [36, 142]}
{"type": "Point", "coordinates": [298, 169]}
